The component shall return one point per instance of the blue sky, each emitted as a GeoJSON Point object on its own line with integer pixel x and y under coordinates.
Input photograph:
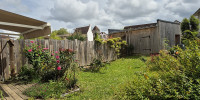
{"type": "Point", "coordinates": [105, 14]}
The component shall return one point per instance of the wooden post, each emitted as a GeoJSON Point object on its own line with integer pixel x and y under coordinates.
{"type": "Point", "coordinates": [12, 60]}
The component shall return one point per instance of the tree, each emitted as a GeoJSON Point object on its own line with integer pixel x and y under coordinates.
{"type": "Point", "coordinates": [190, 28]}
{"type": "Point", "coordinates": [194, 22]}
{"type": "Point", "coordinates": [185, 25]}
{"type": "Point", "coordinates": [62, 31]}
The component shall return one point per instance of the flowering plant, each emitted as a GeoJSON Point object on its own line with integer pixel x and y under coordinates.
{"type": "Point", "coordinates": [58, 65]}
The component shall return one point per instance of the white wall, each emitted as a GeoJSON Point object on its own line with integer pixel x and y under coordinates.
{"type": "Point", "coordinates": [90, 36]}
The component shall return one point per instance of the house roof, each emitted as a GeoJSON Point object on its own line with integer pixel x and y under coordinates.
{"type": "Point", "coordinates": [197, 12]}
{"type": "Point", "coordinates": [28, 27]}
{"type": "Point", "coordinates": [83, 30]}
{"type": "Point", "coordinates": [96, 28]}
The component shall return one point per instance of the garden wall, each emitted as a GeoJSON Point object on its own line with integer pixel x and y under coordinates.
{"type": "Point", "coordinates": [86, 51]}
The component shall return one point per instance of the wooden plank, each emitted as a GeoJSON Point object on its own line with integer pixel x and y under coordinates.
{"type": "Point", "coordinates": [19, 87]}
{"type": "Point", "coordinates": [17, 91]}
{"type": "Point", "coordinates": [10, 92]}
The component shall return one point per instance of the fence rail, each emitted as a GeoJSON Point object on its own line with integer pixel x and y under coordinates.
{"type": "Point", "coordinates": [85, 51]}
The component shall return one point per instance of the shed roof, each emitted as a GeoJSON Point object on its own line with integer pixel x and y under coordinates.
{"type": "Point", "coordinates": [111, 31]}
{"type": "Point", "coordinates": [28, 27]}
{"type": "Point", "coordinates": [140, 26]}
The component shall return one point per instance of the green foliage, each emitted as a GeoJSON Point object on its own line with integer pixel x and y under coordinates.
{"type": "Point", "coordinates": [185, 25]}
{"type": "Point", "coordinates": [27, 74]}
{"type": "Point", "coordinates": [52, 89]}
{"type": "Point", "coordinates": [168, 76]}
{"type": "Point", "coordinates": [60, 67]}
{"type": "Point", "coordinates": [96, 65]}
{"type": "Point", "coordinates": [1, 95]}
{"type": "Point", "coordinates": [77, 36]}
{"type": "Point", "coordinates": [190, 29]}
{"type": "Point", "coordinates": [194, 22]}
{"type": "Point", "coordinates": [61, 31]}
{"type": "Point", "coordinates": [115, 43]}
{"type": "Point", "coordinates": [189, 35]}
{"type": "Point", "coordinates": [54, 36]}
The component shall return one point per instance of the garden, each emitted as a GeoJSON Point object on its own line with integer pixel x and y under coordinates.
{"type": "Point", "coordinates": [171, 74]}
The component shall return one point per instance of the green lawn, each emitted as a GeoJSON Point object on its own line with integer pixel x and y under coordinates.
{"type": "Point", "coordinates": [102, 85]}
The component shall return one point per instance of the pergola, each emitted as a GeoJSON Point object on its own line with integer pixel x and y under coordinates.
{"type": "Point", "coordinates": [27, 27]}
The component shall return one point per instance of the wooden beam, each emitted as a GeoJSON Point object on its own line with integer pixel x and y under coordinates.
{"type": "Point", "coordinates": [10, 34]}
{"type": "Point", "coordinates": [31, 30]}
{"type": "Point", "coordinates": [20, 25]}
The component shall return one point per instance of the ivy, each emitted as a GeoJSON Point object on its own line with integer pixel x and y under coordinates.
{"type": "Point", "coordinates": [115, 43]}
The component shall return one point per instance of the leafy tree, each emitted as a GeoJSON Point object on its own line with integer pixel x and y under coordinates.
{"type": "Point", "coordinates": [194, 23]}
{"type": "Point", "coordinates": [53, 35]}
{"type": "Point", "coordinates": [189, 28]}
{"type": "Point", "coordinates": [185, 25]}
{"type": "Point", "coordinates": [61, 31]}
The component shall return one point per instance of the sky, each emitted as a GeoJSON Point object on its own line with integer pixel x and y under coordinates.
{"type": "Point", "coordinates": [106, 14]}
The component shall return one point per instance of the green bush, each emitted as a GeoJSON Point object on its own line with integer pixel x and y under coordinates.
{"type": "Point", "coordinates": [56, 69]}
{"type": "Point", "coordinates": [168, 76]}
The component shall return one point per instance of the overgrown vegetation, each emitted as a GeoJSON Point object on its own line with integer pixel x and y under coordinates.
{"type": "Point", "coordinates": [53, 70]}
{"type": "Point", "coordinates": [115, 43]}
{"type": "Point", "coordinates": [168, 76]}
{"type": "Point", "coordinates": [190, 29]}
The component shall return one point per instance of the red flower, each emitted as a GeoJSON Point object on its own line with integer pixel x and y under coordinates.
{"type": "Point", "coordinates": [56, 52]}
{"type": "Point", "coordinates": [57, 57]}
{"type": "Point", "coordinates": [30, 50]}
{"type": "Point", "coordinates": [38, 46]}
{"type": "Point", "coordinates": [31, 41]}
{"type": "Point", "coordinates": [58, 61]}
{"type": "Point", "coordinates": [52, 54]}
{"type": "Point", "coordinates": [58, 68]}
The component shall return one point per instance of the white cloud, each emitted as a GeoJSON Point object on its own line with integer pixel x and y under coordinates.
{"type": "Point", "coordinates": [13, 5]}
{"type": "Point", "coordinates": [74, 10]}
{"type": "Point", "coordinates": [103, 13]}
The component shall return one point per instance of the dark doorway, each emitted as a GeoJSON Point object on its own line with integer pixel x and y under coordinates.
{"type": "Point", "coordinates": [177, 39]}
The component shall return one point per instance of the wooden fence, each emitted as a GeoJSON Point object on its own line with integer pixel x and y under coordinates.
{"type": "Point", "coordinates": [85, 52]}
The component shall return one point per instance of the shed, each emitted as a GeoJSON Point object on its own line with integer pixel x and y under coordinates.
{"type": "Point", "coordinates": [151, 38]}
{"type": "Point", "coordinates": [28, 27]}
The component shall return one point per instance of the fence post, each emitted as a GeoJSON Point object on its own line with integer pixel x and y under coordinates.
{"type": "Point", "coordinates": [12, 60]}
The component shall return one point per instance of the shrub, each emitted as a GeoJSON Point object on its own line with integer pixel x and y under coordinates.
{"type": "Point", "coordinates": [57, 70]}
{"type": "Point", "coordinates": [168, 76]}
{"type": "Point", "coordinates": [96, 65]}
